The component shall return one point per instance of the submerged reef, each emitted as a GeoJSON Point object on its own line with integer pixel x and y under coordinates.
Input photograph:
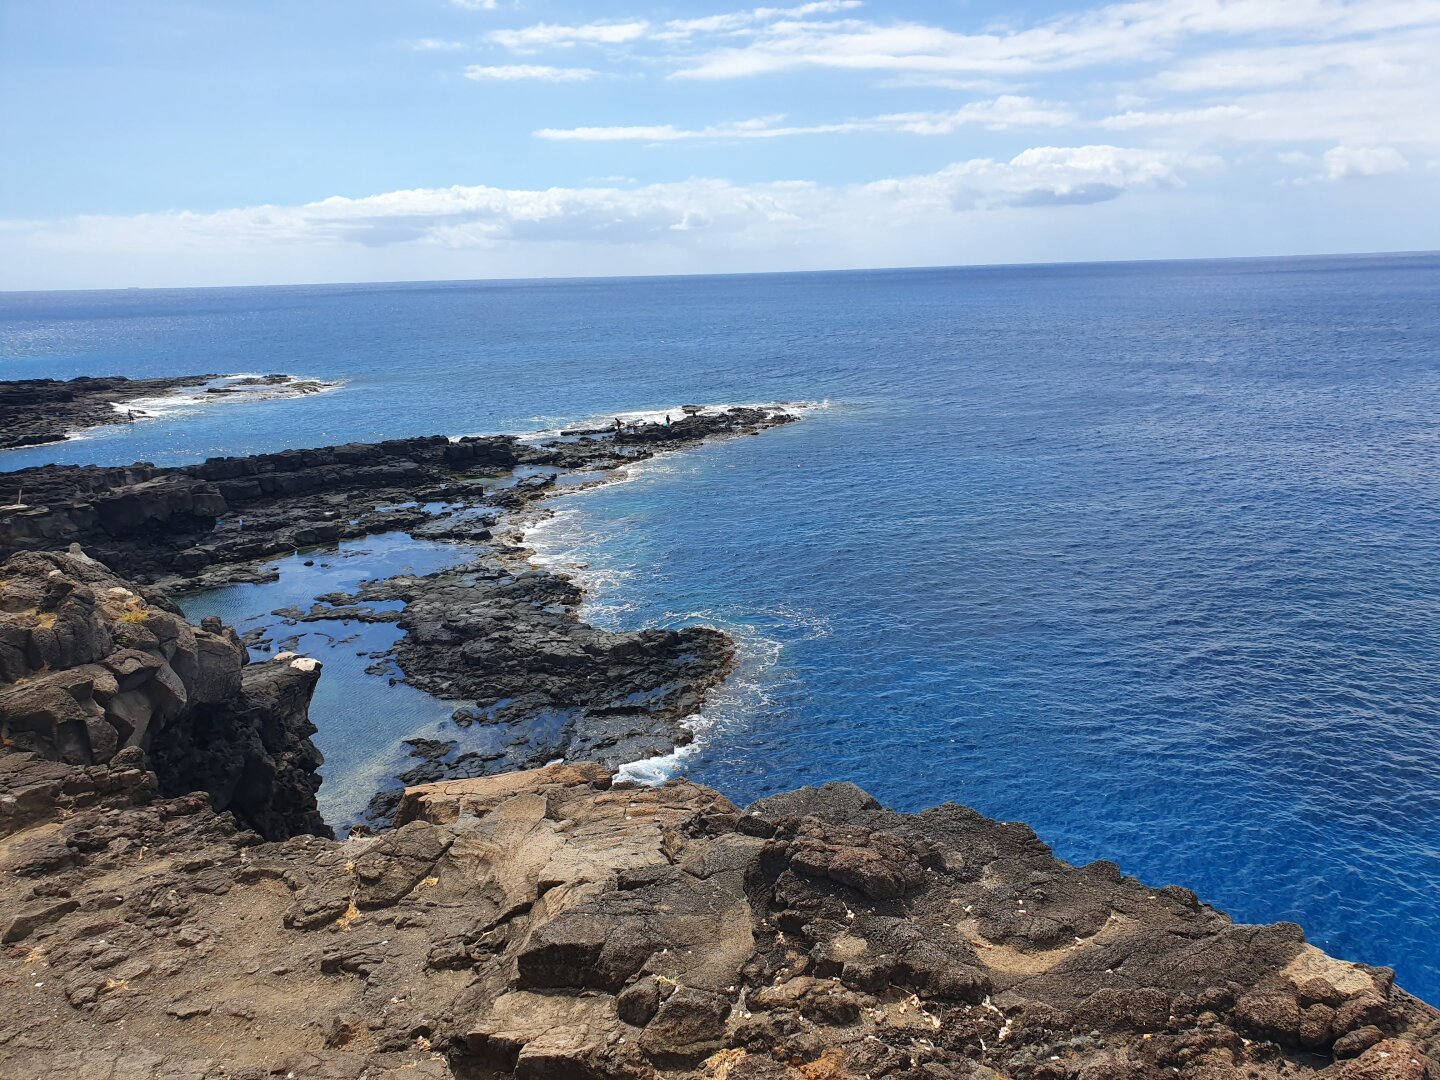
{"type": "Point", "coordinates": [173, 905]}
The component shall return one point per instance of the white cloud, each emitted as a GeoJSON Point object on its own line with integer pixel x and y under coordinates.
{"type": "Point", "coordinates": [1345, 71]}
{"type": "Point", "coordinates": [438, 45]}
{"type": "Point", "coordinates": [735, 21]}
{"type": "Point", "coordinates": [476, 5]}
{"type": "Point", "coordinates": [1132, 119]}
{"type": "Point", "coordinates": [489, 218]}
{"type": "Point", "coordinates": [527, 72]}
{"type": "Point", "coordinates": [997, 114]}
{"type": "Point", "coordinates": [1387, 56]}
{"type": "Point", "coordinates": [1341, 162]}
{"type": "Point", "coordinates": [1136, 30]}
{"type": "Point", "coordinates": [1048, 176]}
{"type": "Point", "coordinates": [550, 35]}
{"type": "Point", "coordinates": [616, 32]}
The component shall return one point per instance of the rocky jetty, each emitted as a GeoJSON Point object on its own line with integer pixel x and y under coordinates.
{"type": "Point", "coordinates": [206, 524]}
{"type": "Point", "coordinates": [37, 411]}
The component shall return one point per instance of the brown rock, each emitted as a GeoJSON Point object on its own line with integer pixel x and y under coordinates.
{"type": "Point", "coordinates": [1390, 1059]}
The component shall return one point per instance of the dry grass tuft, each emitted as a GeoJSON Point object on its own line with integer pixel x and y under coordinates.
{"type": "Point", "coordinates": [351, 914]}
{"type": "Point", "coordinates": [721, 1062]}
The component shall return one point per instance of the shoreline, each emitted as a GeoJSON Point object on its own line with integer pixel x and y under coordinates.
{"type": "Point", "coordinates": [550, 685]}
{"type": "Point", "coordinates": [549, 920]}
{"type": "Point", "coordinates": [166, 915]}
{"type": "Point", "coordinates": [43, 412]}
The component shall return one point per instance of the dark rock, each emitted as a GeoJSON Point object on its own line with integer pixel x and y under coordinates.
{"type": "Point", "coordinates": [35, 411]}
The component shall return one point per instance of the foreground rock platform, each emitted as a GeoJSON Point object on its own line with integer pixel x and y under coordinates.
{"type": "Point", "coordinates": [552, 925]}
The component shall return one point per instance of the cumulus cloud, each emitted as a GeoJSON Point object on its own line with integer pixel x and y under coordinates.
{"type": "Point", "coordinates": [1341, 162]}
{"type": "Point", "coordinates": [484, 217]}
{"type": "Point", "coordinates": [527, 72]}
{"type": "Point", "coordinates": [997, 114]}
{"type": "Point", "coordinates": [1045, 176]}
{"type": "Point", "coordinates": [476, 5]}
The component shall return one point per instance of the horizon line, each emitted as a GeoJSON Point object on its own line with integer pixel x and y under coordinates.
{"type": "Point", "coordinates": [556, 279]}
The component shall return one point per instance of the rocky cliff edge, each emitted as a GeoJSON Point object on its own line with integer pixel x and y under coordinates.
{"type": "Point", "coordinates": [552, 924]}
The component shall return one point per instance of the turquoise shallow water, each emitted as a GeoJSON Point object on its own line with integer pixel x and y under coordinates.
{"type": "Point", "coordinates": [1144, 555]}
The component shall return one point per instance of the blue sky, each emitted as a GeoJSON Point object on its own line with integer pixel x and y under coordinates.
{"type": "Point", "coordinates": [179, 143]}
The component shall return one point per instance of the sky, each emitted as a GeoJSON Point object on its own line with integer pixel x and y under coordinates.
{"type": "Point", "coordinates": [177, 143]}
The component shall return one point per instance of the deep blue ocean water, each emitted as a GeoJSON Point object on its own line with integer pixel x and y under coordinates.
{"type": "Point", "coordinates": [1145, 555]}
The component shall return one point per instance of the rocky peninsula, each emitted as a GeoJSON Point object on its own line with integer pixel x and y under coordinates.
{"type": "Point", "coordinates": [38, 411]}
{"type": "Point", "coordinates": [174, 906]}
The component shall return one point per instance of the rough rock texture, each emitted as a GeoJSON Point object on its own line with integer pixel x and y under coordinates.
{"type": "Point", "coordinates": [549, 925]}
{"type": "Point", "coordinates": [496, 631]}
{"type": "Point", "coordinates": [35, 411]}
{"type": "Point", "coordinates": [546, 684]}
{"type": "Point", "coordinates": [91, 665]}
{"type": "Point", "coordinates": [545, 924]}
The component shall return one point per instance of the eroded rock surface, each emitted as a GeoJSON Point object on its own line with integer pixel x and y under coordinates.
{"type": "Point", "coordinates": [496, 631]}
{"type": "Point", "coordinates": [92, 666]}
{"type": "Point", "coordinates": [510, 641]}
{"type": "Point", "coordinates": [171, 906]}
{"type": "Point", "coordinates": [549, 924]}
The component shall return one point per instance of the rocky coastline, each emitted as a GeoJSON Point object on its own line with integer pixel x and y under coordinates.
{"type": "Point", "coordinates": [174, 905]}
{"type": "Point", "coordinates": [38, 411]}
{"type": "Point", "coordinates": [34, 412]}
{"type": "Point", "coordinates": [494, 630]}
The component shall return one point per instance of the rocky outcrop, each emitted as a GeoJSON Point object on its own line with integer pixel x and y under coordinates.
{"type": "Point", "coordinates": [551, 924]}
{"type": "Point", "coordinates": [547, 684]}
{"type": "Point", "coordinates": [495, 630]}
{"type": "Point", "coordinates": [92, 666]}
{"type": "Point", "coordinates": [171, 904]}
{"type": "Point", "coordinates": [36, 411]}
{"type": "Point", "coordinates": [147, 522]}
{"type": "Point", "coordinates": [178, 526]}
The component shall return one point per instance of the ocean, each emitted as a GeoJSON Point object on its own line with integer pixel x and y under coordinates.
{"type": "Point", "coordinates": [1144, 555]}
